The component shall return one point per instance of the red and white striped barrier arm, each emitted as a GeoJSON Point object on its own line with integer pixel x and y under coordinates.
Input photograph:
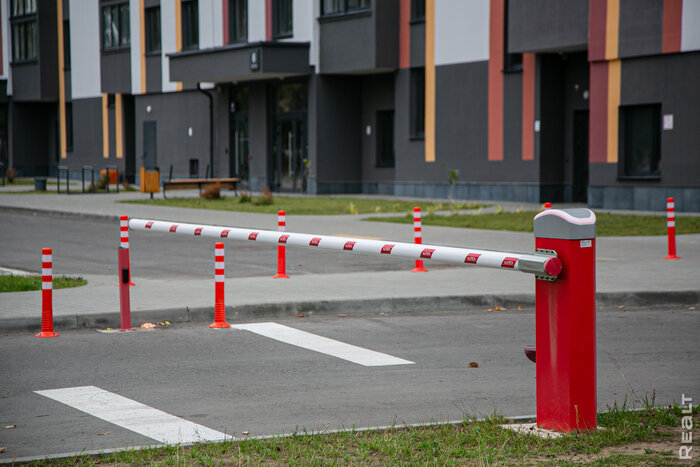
{"type": "Point", "coordinates": [543, 265]}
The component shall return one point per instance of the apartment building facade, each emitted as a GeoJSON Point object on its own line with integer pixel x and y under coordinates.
{"type": "Point", "coordinates": [526, 100]}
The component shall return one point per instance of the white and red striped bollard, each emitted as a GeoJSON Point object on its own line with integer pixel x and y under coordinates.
{"type": "Point", "coordinates": [124, 241]}
{"type": "Point", "coordinates": [219, 275]}
{"type": "Point", "coordinates": [671, 226]}
{"type": "Point", "coordinates": [418, 238]}
{"type": "Point", "coordinates": [281, 253]}
{"type": "Point", "coordinates": [47, 294]}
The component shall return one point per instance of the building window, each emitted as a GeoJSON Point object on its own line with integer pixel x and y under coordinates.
{"type": "Point", "coordinates": [417, 10]}
{"type": "Point", "coordinates": [511, 62]}
{"type": "Point", "coordinates": [281, 18]}
{"type": "Point", "coordinates": [152, 30]}
{"type": "Point", "coordinates": [385, 138]}
{"type": "Point", "coordinates": [342, 7]}
{"type": "Point", "coordinates": [237, 21]}
{"type": "Point", "coordinates": [69, 127]}
{"type": "Point", "coordinates": [66, 45]}
{"type": "Point", "coordinates": [417, 103]}
{"type": "Point", "coordinates": [115, 26]}
{"type": "Point", "coordinates": [640, 140]}
{"type": "Point", "coordinates": [24, 30]}
{"type": "Point", "coordinates": [190, 24]}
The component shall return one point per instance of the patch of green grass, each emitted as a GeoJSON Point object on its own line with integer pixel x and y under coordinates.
{"type": "Point", "coordinates": [12, 283]}
{"type": "Point", "coordinates": [472, 442]}
{"type": "Point", "coordinates": [606, 224]}
{"type": "Point", "coordinates": [316, 205]}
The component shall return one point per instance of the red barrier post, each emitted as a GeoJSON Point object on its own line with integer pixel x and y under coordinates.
{"type": "Point", "coordinates": [124, 241]}
{"type": "Point", "coordinates": [418, 237]}
{"type": "Point", "coordinates": [281, 253]}
{"type": "Point", "coordinates": [671, 227]}
{"type": "Point", "coordinates": [47, 294]}
{"type": "Point", "coordinates": [124, 302]}
{"type": "Point", "coordinates": [219, 276]}
{"type": "Point", "coordinates": [565, 322]}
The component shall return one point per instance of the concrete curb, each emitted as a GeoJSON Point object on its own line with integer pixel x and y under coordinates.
{"type": "Point", "coordinates": [395, 305]}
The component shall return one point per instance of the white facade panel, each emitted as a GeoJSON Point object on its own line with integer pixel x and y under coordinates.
{"type": "Point", "coordinates": [256, 21]}
{"type": "Point", "coordinates": [135, 18]}
{"type": "Point", "coordinates": [461, 31]}
{"type": "Point", "coordinates": [85, 49]}
{"type": "Point", "coordinates": [167, 44]}
{"type": "Point", "coordinates": [5, 40]}
{"type": "Point", "coordinates": [690, 26]}
{"type": "Point", "coordinates": [210, 24]}
{"type": "Point", "coordinates": [303, 25]}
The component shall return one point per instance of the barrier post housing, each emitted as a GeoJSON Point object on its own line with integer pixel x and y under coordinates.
{"type": "Point", "coordinates": [124, 301]}
{"type": "Point", "coordinates": [565, 322]}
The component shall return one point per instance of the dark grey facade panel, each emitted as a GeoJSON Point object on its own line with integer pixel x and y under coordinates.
{"type": "Point", "coordinates": [347, 44]}
{"type": "Point", "coordinates": [513, 118]}
{"type": "Point", "coordinates": [386, 26]}
{"type": "Point", "coordinates": [258, 136]}
{"type": "Point", "coordinates": [640, 27]}
{"type": "Point", "coordinates": [154, 73]}
{"type": "Point", "coordinates": [87, 134]}
{"type": "Point", "coordinates": [67, 85]}
{"type": "Point", "coordinates": [115, 71]}
{"type": "Point", "coordinates": [338, 131]}
{"type": "Point", "coordinates": [417, 44]}
{"type": "Point", "coordinates": [552, 113]}
{"type": "Point", "coordinates": [48, 49]}
{"type": "Point", "coordinates": [34, 136]}
{"type": "Point", "coordinates": [644, 198]}
{"type": "Point", "coordinates": [670, 80]}
{"type": "Point", "coordinates": [26, 82]}
{"type": "Point", "coordinates": [377, 94]}
{"type": "Point", "coordinates": [547, 25]}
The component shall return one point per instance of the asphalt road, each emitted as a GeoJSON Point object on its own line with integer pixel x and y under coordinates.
{"type": "Point", "coordinates": [235, 381]}
{"type": "Point", "coordinates": [86, 246]}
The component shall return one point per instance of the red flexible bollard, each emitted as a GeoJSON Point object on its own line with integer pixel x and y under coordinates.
{"type": "Point", "coordinates": [281, 253]}
{"type": "Point", "coordinates": [124, 241]}
{"type": "Point", "coordinates": [47, 294]}
{"type": "Point", "coordinates": [417, 238]}
{"type": "Point", "coordinates": [219, 275]}
{"type": "Point", "coordinates": [671, 227]}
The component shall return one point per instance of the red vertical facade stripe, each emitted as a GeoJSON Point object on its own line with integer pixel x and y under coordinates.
{"type": "Point", "coordinates": [596, 29]}
{"type": "Point", "coordinates": [528, 143]}
{"type": "Point", "coordinates": [598, 134]}
{"type": "Point", "coordinates": [268, 20]}
{"type": "Point", "coordinates": [495, 96]}
{"type": "Point", "coordinates": [224, 14]}
{"type": "Point", "coordinates": [672, 20]}
{"type": "Point", "coordinates": [405, 34]}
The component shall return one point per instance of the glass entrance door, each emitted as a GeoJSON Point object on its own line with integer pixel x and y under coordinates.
{"type": "Point", "coordinates": [289, 152]}
{"type": "Point", "coordinates": [240, 153]}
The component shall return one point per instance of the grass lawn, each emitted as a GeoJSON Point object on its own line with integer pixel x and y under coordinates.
{"type": "Point", "coordinates": [12, 283]}
{"type": "Point", "coordinates": [606, 224]}
{"type": "Point", "coordinates": [647, 437]}
{"type": "Point", "coordinates": [317, 205]}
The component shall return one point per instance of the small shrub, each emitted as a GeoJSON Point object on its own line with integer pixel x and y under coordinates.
{"type": "Point", "coordinates": [352, 209]}
{"type": "Point", "coordinates": [102, 182]}
{"type": "Point", "coordinates": [266, 199]}
{"type": "Point", "coordinates": [11, 174]}
{"type": "Point", "coordinates": [499, 209]}
{"type": "Point", "coordinates": [377, 209]}
{"type": "Point", "coordinates": [212, 191]}
{"type": "Point", "coordinates": [245, 196]}
{"type": "Point", "coordinates": [431, 210]}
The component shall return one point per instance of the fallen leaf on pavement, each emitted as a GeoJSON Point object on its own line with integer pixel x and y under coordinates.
{"type": "Point", "coordinates": [10, 427]}
{"type": "Point", "coordinates": [490, 310]}
{"type": "Point", "coordinates": [621, 307]}
{"type": "Point", "coordinates": [164, 323]}
{"type": "Point", "coordinates": [301, 315]}
{"type": "Point", "coordinates": [342, 315]}
{"type": "Point", "coordinates": [496, 308]}
{"type": "Point", "coordinates": [104, 434]}
{"type": "Point", "coordinates": [148, 325]}
{"type": "Point", "coordinates": [692, 308]}
{"type": "Point", "coordinates": [246, 433]}
{"type": "Point", "coordinates": [520, 308]}
{"type": "Point", "coordinates": [3, 449]}
{"type": "Point", "coordinates": [473, 364]}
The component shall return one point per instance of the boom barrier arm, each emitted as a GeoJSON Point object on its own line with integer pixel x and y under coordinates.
{"type": "Point", "coordinates": [545, 265]}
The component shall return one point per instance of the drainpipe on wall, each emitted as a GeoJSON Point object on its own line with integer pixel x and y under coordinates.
{"type": "Point", "coordinates": [211, 128]}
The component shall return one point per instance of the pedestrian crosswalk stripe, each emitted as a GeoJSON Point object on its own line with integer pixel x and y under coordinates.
{"type": "Point", "coordinates": [321, 344]}
{"type": "Point", "coordinates": [132, 415]}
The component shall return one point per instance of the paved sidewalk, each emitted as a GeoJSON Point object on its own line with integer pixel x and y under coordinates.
{"type": "Point", "coordinates": [630, 271]}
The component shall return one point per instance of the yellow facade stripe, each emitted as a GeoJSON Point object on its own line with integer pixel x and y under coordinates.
{"type": "Point", "coordinates": [61, 80]}
{"type": "Point", "coordinates": [178, 33]}
{"type": "Point", "coordinates": [105, 126]}
{"type": "Point", "coordinates": [429, 81]}
{"type": "Point", "coordinates": [612, 29]}
{"type": "Point", "coordinates": [614, 85]}
{"type": "Point", "coordinates": [142, 41]}
{"type": "Point", "coordinates": [118, 124]}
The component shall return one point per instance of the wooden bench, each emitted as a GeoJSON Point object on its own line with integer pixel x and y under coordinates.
{"type": "Point", "coordinates": [189, 183]}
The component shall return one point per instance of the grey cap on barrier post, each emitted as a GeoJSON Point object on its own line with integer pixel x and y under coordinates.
{"type": "Point", "coordinates": [565, 224]}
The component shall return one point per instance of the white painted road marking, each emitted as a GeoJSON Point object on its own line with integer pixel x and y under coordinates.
{"type": "Point", "coordinates": [321, 344]}
{"type": "Point", "coordinates": [132, 415]}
